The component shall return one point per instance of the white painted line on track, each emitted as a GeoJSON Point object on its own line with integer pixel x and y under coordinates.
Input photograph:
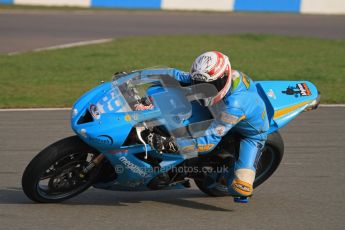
{"type": "Point", "coordinates": [332, 105]}
{"type": "Point", "coordinates": [57, 109]}
{"type": "Point", "coordinates": [64, 46]}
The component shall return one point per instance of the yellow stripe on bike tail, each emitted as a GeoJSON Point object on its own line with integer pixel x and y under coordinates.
{"type": "Point", "coordinates": [282, 112]}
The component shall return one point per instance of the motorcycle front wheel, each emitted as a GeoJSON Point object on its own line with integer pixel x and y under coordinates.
{"type": "Point", "coordinates": [56, 173]}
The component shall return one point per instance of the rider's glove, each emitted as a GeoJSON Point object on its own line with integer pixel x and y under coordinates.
{"type": "Point", "coordinates": [166, 144]}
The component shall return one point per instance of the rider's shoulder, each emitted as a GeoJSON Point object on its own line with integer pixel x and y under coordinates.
{"type": "Point", "coordinates": [233, 101]}
{"type": "Point", "coordinates": [234, 107]}
{"type": "Point", "coordinates": [240, 82]}
{"type": "Point", "coordinates": [236, 78]}
{"type": "Point", "coordinates": [235, 74]}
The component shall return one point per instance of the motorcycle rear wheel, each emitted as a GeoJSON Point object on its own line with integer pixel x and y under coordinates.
{"type": "Point", "coordinates": [55, 174]}
{"type": "Point", "coordinates": [269, 161]}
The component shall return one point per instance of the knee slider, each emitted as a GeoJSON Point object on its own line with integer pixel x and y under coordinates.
{"type": "Point", "coordinates": [242, 188]}
{"type": "Point", "coordinates": [243, 182]}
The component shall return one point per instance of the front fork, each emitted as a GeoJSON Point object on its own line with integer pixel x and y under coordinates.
{"type": "Point", "coordinates": [95, 162]}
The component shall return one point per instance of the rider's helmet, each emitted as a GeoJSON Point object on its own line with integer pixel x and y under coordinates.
{"type": "Point", "coordinates": [212, 67]}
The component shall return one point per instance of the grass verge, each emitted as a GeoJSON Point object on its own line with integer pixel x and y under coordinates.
{"type": "Point", "coordinates": [56, 78]}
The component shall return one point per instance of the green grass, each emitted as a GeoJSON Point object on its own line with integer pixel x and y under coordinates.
{"type": "Point", "coordinates": [57, 78]}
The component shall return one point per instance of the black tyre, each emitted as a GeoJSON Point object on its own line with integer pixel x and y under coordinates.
{"type": "Point", "coordinates": [269, 161]}
{"type": "Point", "coordinates": [55, 174]}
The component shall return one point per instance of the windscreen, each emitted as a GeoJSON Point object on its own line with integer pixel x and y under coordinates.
{"type": "Point", "coordinates": [154, 98]}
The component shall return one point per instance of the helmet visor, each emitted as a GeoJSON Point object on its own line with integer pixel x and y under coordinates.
{"type": "Point", "coordinates": [219, 83]}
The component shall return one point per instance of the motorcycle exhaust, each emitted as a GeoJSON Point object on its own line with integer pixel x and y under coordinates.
{"type": "Point", "coordinates": [315, 104]}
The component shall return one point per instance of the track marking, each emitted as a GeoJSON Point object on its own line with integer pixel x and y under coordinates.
{"type": "Point", "coordinates": [332, 105]}
{"type": "Point", "coordinates": [64, 46]}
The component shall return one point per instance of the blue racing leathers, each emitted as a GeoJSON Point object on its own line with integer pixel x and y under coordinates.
{"type": "Point", "coordinates": [244, 113]}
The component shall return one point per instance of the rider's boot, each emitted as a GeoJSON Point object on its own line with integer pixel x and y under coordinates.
{"type": "Point", "coordinates": [241, 187]}
{"type": "Point", "coordinates": [240, 190]}
{"type": "Point", "coordinates": [232, 189]}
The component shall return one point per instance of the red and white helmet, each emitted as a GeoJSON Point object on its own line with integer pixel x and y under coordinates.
{"type": "Point", "coordinates": [215, 68]}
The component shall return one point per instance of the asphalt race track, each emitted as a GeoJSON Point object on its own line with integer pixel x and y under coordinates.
{"type": "Point", "coordinates": [23, 30]}
{"type": "Point", "coordinates": [307, 191]}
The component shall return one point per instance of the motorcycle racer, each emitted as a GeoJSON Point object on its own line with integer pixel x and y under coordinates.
{"type": "Point", "coordinates": [185, 122]}
{"type": "Point", "coordinates": [244, 113]}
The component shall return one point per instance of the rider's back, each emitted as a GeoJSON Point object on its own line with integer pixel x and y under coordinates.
{"type": "Point", "coordinates": [244, 101]}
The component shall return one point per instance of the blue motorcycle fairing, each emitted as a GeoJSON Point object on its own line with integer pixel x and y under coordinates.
{"type": "Point", "coordinates": [285, 100]}
{"type": "Point", "coordinates": [111, 119]}
{"type": "Point", "coordinates": [134, 173]}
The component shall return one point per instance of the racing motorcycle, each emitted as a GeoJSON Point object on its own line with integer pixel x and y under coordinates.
{"type": "Point", "coordinates": [109, 150]}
